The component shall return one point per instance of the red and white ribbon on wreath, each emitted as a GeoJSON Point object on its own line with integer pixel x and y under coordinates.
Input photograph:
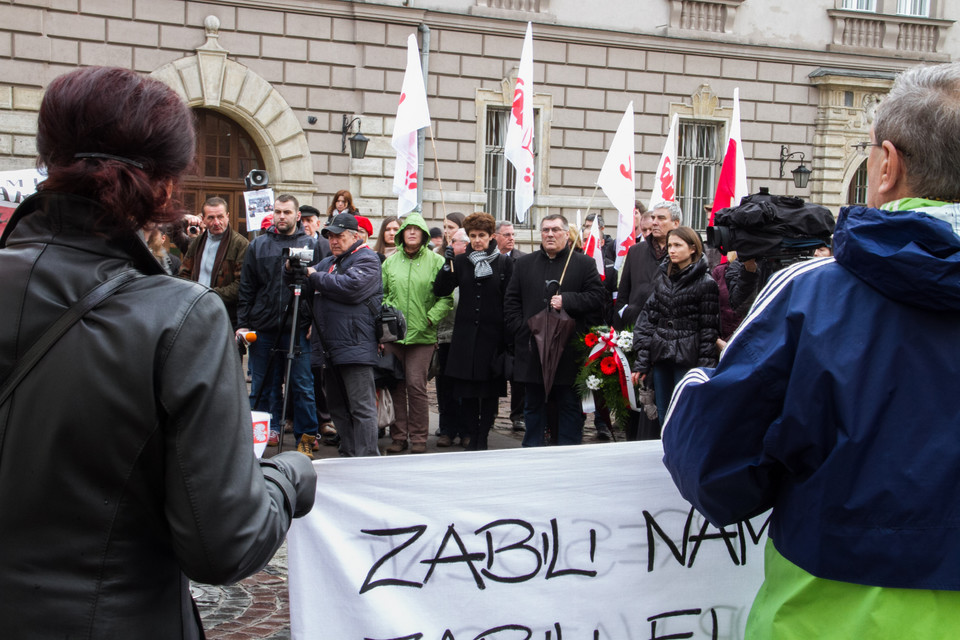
{"type": "Point", "coordinates": [607, 344]}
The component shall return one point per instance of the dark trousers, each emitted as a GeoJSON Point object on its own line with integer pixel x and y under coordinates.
{"type": "Point", "coordinates": [320, 395]}
{"type": "Point", "coordinates": [569, 415]}
{"type": "Point", "coordinates": [516, 401]}
{"type": "Point", "coordinates": [448, 405]}
{"type": "Point", "coordinates": [477, 415]}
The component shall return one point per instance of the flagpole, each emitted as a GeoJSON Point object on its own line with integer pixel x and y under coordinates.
{"type": "Point", "coordinates": [436, 165]}
{"type": "Point", "coordinates": [579, 232]}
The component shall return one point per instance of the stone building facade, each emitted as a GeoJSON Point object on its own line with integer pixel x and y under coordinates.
{"type": "Point", "coordinates": [275, 80]}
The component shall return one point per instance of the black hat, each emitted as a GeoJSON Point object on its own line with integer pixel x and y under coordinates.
{"type": "Point", "coordinates": [307, 210]}
{"type": "Point", "coordinates": [436, 232]}
{"type": "Point", "coordinates": [340, 223]}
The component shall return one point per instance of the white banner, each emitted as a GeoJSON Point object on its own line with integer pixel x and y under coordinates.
{"type": "Point", "coordinates": [518, 145]}
{"type": "Point", "coordinates": [259, 206]}
{"type": "Point", "coordinates": [15, 186]}
{"type": "Point", "coordinates": [617, 180]}
{"type": "Point", "coordinates": [583, 543]}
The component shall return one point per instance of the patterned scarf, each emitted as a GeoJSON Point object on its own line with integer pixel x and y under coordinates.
{"type": "Point", "coordinates": [481, 262]}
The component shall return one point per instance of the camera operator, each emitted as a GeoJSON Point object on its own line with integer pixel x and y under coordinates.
{"type": "Point", "coordinates": [264, 306]}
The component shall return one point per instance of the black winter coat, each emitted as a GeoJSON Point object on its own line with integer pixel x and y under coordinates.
{"type": "Point", "coordinates": [479, 339]}
{"type": "Point", "coordinates": [126, 462]}
{"type": "Point", "coordinates": [343, 290]}
{"type": "Point", "coordinates": [680, 322]}
{"type": "Point", "coordinates": [638, 276]}
{"type": "Point", "coordinates": [583, 297]}
{"type": "Point", "coordinates": [264, 294]}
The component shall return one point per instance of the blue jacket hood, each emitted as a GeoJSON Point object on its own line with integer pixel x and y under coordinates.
{"type": "Point", "coordinates": [908, 256]}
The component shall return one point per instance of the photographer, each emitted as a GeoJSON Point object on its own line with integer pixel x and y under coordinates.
{"type": "Point", "coordinates": [139, 474]}
{"type": "Point", "coordinates": [265, 306]}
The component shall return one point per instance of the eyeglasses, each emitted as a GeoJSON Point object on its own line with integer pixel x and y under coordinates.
{"type": "Point", "coordinates": [863, 145]}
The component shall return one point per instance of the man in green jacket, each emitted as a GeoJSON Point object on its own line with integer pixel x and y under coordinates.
{"type": "Point", "coordinates": [408, 277]}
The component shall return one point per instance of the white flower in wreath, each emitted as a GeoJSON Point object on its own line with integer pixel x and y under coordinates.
{"type": "Point", "coordinates": [593, 383]}
{"type": "Point", "coordinates": [625, 340]}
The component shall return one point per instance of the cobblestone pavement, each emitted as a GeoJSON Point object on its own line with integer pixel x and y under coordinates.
{"type": "Point", "coordinates": [258, 607]}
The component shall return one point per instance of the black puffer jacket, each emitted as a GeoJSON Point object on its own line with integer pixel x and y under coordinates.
{"type": "Point", "coordinates": [680, 321]}
{"type": "Point", "coordinates": [126, 461]}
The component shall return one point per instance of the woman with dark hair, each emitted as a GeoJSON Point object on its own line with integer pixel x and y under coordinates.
{"type": "Point", "coordinates": [476, 360]}
{"type": "Point", "coordinates": [160, 484]}
{"type": "Point", "coordinates": [386, 239]}
{"type": "Point", "coordinates": [451, 222]}
{"type": "Point", "coordinates": [408, 277]}
{"type": "Point", "coordinates": [342, 203]}
{"type": "Point", "coordinates": [680, 321]}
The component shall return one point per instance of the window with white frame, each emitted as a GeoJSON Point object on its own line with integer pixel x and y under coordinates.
{"type": "Point", "coordinates": [859, 5]}
{"type": "Point", "coordinates": [918, 8]}
{"type": "Point", "coordinates": [699, 156]}
{"type": "Point", "coordinates": [499, 176]}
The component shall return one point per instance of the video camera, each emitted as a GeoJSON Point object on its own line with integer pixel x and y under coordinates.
{"type": "Point", "coordinates": [769, 227]}
{"type": "Point", "coordinates": [298, 256]}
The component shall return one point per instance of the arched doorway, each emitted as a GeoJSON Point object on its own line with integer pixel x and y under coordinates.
{"type": "Point", "coordinates": [225, 154]}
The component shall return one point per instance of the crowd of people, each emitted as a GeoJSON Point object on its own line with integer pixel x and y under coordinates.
{"type": "Point", "coordinates": [825, 397]}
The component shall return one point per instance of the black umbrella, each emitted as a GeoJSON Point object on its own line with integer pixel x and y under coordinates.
{"type": "Point", "coordinates": [551, 329]}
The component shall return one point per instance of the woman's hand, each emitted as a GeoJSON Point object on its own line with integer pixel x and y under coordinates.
{"type": "Point", "coordinates": [637, 378]}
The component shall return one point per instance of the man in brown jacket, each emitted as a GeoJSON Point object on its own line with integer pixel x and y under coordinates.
{"type": "Point", "coordinates": [215, 257]}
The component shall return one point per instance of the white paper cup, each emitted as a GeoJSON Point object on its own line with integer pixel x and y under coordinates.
{"type": "Point", "coordinates": [261, 431]}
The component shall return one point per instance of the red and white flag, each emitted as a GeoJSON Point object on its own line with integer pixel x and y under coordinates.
{"type": "Point", "coordinates": [665, 183]}
{"type": "Point", "coordinates": [592, 248]}
{"type": "Point", "coordinates": [732, 185]}
{"type": "Point", "coordinates": [412, 115]}
{"type": "Point", "coordinates": [518, 145]}
{"type": "Point", "coordinates": [617, 181]}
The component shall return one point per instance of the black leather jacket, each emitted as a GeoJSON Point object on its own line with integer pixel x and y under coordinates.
{"type": "Point", "coordinates": [126, 461]}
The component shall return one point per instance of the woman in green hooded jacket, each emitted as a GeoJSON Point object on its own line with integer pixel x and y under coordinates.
{"type": "Point", "coordinates": [408, 277]}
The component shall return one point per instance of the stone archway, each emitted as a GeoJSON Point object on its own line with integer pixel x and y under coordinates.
{"type": "Point", "coordinates": [210, 80]}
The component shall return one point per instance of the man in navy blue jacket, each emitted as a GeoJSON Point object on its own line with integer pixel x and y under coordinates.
{"type": "Point", "coordinates": [835, 403]}
{"type": "Point", "coordinates": [347, 293]}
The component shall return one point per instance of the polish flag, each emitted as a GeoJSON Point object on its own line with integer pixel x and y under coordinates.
{"type": "Point", "coordinates": [518, 145]}
{"type": "Point", "coordinates": [665, 184]}
{"type": "Point", "coordinates": [412, 115]}
{"type": "Point", "coordinates": [617, 181]}
{"type": "Point", "coordinates": [733, 173]}
{"type": "Point", "coordinates": [592, 248]}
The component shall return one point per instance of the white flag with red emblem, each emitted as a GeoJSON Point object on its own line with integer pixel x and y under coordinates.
{"type": "Point", "coordinates": [592, 248]}
{"type": "Point", "coordinates": [732, 186]}
{"type": "Point", "coordinates": [412, 115]}
{"type": "Point", "coordinates": [518, 145]}
{"type": "Point", "coordinates": [617, 181]}
{"type": "Point", "coordinates": [665, 183]}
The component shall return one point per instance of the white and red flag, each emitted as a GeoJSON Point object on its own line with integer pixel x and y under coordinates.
{"type": "Point", "coordinates": [665, 183]}
{"type": "Point", "coordinates": [592, 248]}
{"type": "Point", "coordinates": [518, 145]}
{"type": "Point", "coordinates": [617, 181]}
{"type": "Point", "coordinates": [732, 185]}
{"type": "Point", "coordinates": [412, 115]}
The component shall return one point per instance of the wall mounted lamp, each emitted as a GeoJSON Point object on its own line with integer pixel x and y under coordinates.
{"type": "Point", "coordinates": [358, 141]}
{"type": "Point", "coordinates": [801, 175]}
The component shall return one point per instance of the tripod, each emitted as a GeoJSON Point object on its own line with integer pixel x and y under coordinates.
{"type": "Point", "coordinates": [293, 349]}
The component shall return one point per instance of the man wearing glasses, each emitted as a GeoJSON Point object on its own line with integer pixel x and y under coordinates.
{"type": "Point", "coordinates": [539, 281]}
{"type": "Point", "coordinates": [835, 403]}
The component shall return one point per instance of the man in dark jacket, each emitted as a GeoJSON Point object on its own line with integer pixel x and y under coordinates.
{"type": "Point", "coordinates": [215, 257]}
{"type": "Point", "coordinates": [640, 272]}
{"type": "Point", "coordinates": [346, 295]}
{"type": "Point", "coordinates": [535, 285]}
{"type": "Point", "coordinates": [507, 244]}
{"type": "Point", "coordinates": [265, 306]}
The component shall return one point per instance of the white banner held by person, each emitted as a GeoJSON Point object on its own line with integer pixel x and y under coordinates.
{"type": "Point", "coordinates": [412, 115]}
{"type": "Point", "coordinates": [518, 144]}
{"type": "Point", "coordinates": [259, 205]}
{"type": "Point", "coordinates": [15, 187]}
{"type": "Point", "coordinates": [589, 542]}
{"type": "Point", "coordinates": [617, 181]}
